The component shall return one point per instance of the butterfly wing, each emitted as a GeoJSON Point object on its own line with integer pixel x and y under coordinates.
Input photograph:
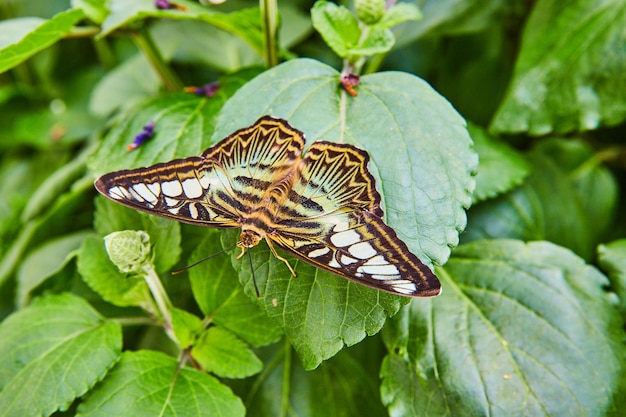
{"type": "Point", "coordinates": [333, 220]}
{"type": "Point", "coordinates": [217, 188]}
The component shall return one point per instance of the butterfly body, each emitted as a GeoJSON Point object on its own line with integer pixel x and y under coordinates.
{"type": "Point", "coordinates": [322, 207]}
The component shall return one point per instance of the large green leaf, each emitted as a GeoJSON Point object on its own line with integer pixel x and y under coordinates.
{"type": "Point", "coordinates": [245, 23]}
{"type": "Point", "coordinates": [520, 329]}
{"type": "Point", "coordinates": [571, 69]}
{"type": "Point", "coordinates": [149, 384]}
{"type": "Point", "coordinates": [45, 261]}
{"type": "Point", "coordinates": [451, 17]}
{"type": "Point", "coordinates": [20, 46]}
{"type": "Point", "coordinates": [425, 183]}
{"type": "Point", "coordinates": [565, 200]}
{"type": "Point", "coordinates": [340, 387]}
{"type": "Point", "coordinates": [53, 352]}
{"type": "Point", "coordinates": [501, 167]}
{"type": "Point", "coordinates": [221, 298]}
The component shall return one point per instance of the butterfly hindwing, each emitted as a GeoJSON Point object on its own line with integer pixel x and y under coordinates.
{"type": "Point", "coordinates": [335, 222]}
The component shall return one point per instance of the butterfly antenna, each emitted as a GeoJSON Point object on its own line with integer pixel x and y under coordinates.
{"type": "Point", "coordinates": [258, 294]}
{"type": "Point", "coordinates": [183, 269]}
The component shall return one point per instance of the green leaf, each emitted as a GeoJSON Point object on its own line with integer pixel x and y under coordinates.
{"type": "Point", "coordinates": [147, 383]}
{"type": "Point", "coordinates": [535, 210]}
{"type": "Point", "coordinates": [245, 23]}
{"type": "Point", "coordinates": [501, 167]}
{"type": "Point", "coordinates": [184, 124]}
{"type": "Point", "coordinates": [400, 13]}
{"type": "Point", "coordinates": [186, 327]}
{"type": "Point", "coordinates": [19, 49]}
{"type": "Point", "coordinates": [220, 352]}
{"type": "Point", "coordinates": [427, 182]}
{"type": "Point", "coordinates": [337, 25]}
{"type": "Point", "coordinates": [569, 74]}
{"type": "Point", "coordinates": [451, 17]}
{"type": "Point", "coordinates": [341, 387]}
{"type": "Point", "coordinates": [164, 233]}
{"type": "Point", "coordinates": [519, 329]}
{"type": "Point", "coordinates": [99, 273]}
{"type": "Point", "coordinates": [53, 352]}
{"type": "Point", "coordinates": [612, 258]}
{"type": "Point", "coordinates": [220, 295]}
{"type": "Point", "coordinates": [318, 312]}
{"type": "Point", "coordinates": [424, 187]}
{"type": "Point", "coordinates": [95, 10]}
{"type": "Point", "coordinates": [55, 184]}
{"type": "Point", "coordinates": [13, 30]}
{"type": "Point", "coordinates": [125, 86]}
{"type": "Point", "coordinates": [45, 261]}
{"type": "Point", "coordinates": [377, 40]}
{"type": "Point", "coordinates": [595, 184]}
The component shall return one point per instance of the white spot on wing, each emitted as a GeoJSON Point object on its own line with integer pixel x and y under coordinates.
{"type": "Point", "coordinates": [376, 260]}
{"type": "Point", "coordinates": [362, 250]}
{"type": "Point", "coordinates": [387, 269]}
{"type": "Point", "coordinates": [170, 201]}
{"type": "Point", "coordinates": [346, 260]}
{"type": "Point", "coordinates": [135, 195]}
{"type": "Point", "coordinates": [145, 193]}
{"type": "Point", "coordinates": [318, 252]}
{"type": "Point", "coordinates": [345, 238]}
{"type": "Point", "coordinates": [116, 193]}
{"type": "Point", "coordinates": [155, 187]}
{"type": "Point", "coordinates": [174, 210]}
{"type": "Point", "coordinates": [172, 188]}
{"type": "Point", "coordinates": [192, 188]}
{"type": "Point", "coordinates": [405, 287]}
{"type": "Point", "coordinates": [193, 210]}
{"type": "Point", "coordinates": [334, 264]}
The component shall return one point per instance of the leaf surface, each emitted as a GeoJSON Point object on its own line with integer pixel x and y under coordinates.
{"type": "Point", "coordinates": [570, 71]}
{"type": "Point", "coordinates": [52, 353]}
{"type": "Point", "coordinates": [425, 183]}
{"type": "Point", "coordinates": [523, 329]}
{"type": "Point", "coordinates": [147, 383]}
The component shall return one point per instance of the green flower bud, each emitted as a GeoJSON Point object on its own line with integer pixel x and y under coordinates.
{"type": "Point", "coordinates": [370, 11]}
{"type": "Point", "coordinates": [129, 250]}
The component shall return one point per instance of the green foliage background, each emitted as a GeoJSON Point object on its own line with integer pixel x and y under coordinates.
{"type": "Point", "coordinates": [514, 108]}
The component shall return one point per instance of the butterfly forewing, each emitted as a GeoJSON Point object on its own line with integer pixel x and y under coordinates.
{"type": "Point", "coordinates": [189, 190]}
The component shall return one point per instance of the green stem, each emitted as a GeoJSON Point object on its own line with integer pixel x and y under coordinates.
{"type": "Point", "coordinates": [269, 19]}
{"type": "Point", "coordinates": [160, 297]}
{"type": "Point", "coordinates": [286, 384]}
{"type": "Point", "coordinates": [168, 77]}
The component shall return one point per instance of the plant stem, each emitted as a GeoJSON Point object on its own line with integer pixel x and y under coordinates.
{"type": "Point", "coordinates": [284, 406]}
{"type": "Point", "coordinates": [168, 77]}
{"type": "Point", "coordinates": [269, 20]}
{"type": "Point", "coordinates": [160, 296]}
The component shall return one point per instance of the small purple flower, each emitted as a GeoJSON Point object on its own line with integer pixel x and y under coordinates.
{"type": "Point", "coordinates": [207, 90]}
{"type": "Point", "coordinates": [146, 133]}
{"type": "Point", "coordinates": [166, 5]}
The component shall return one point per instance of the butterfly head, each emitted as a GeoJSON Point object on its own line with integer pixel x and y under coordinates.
{"type": "Point", "coordinates": [248, 239]}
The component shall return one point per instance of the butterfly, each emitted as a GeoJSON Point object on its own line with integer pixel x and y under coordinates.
{"type": "Point", "coordinates": [321, 207]}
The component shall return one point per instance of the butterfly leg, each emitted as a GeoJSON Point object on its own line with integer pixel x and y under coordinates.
{"type": "Point", "coordinates": [269, 243]}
